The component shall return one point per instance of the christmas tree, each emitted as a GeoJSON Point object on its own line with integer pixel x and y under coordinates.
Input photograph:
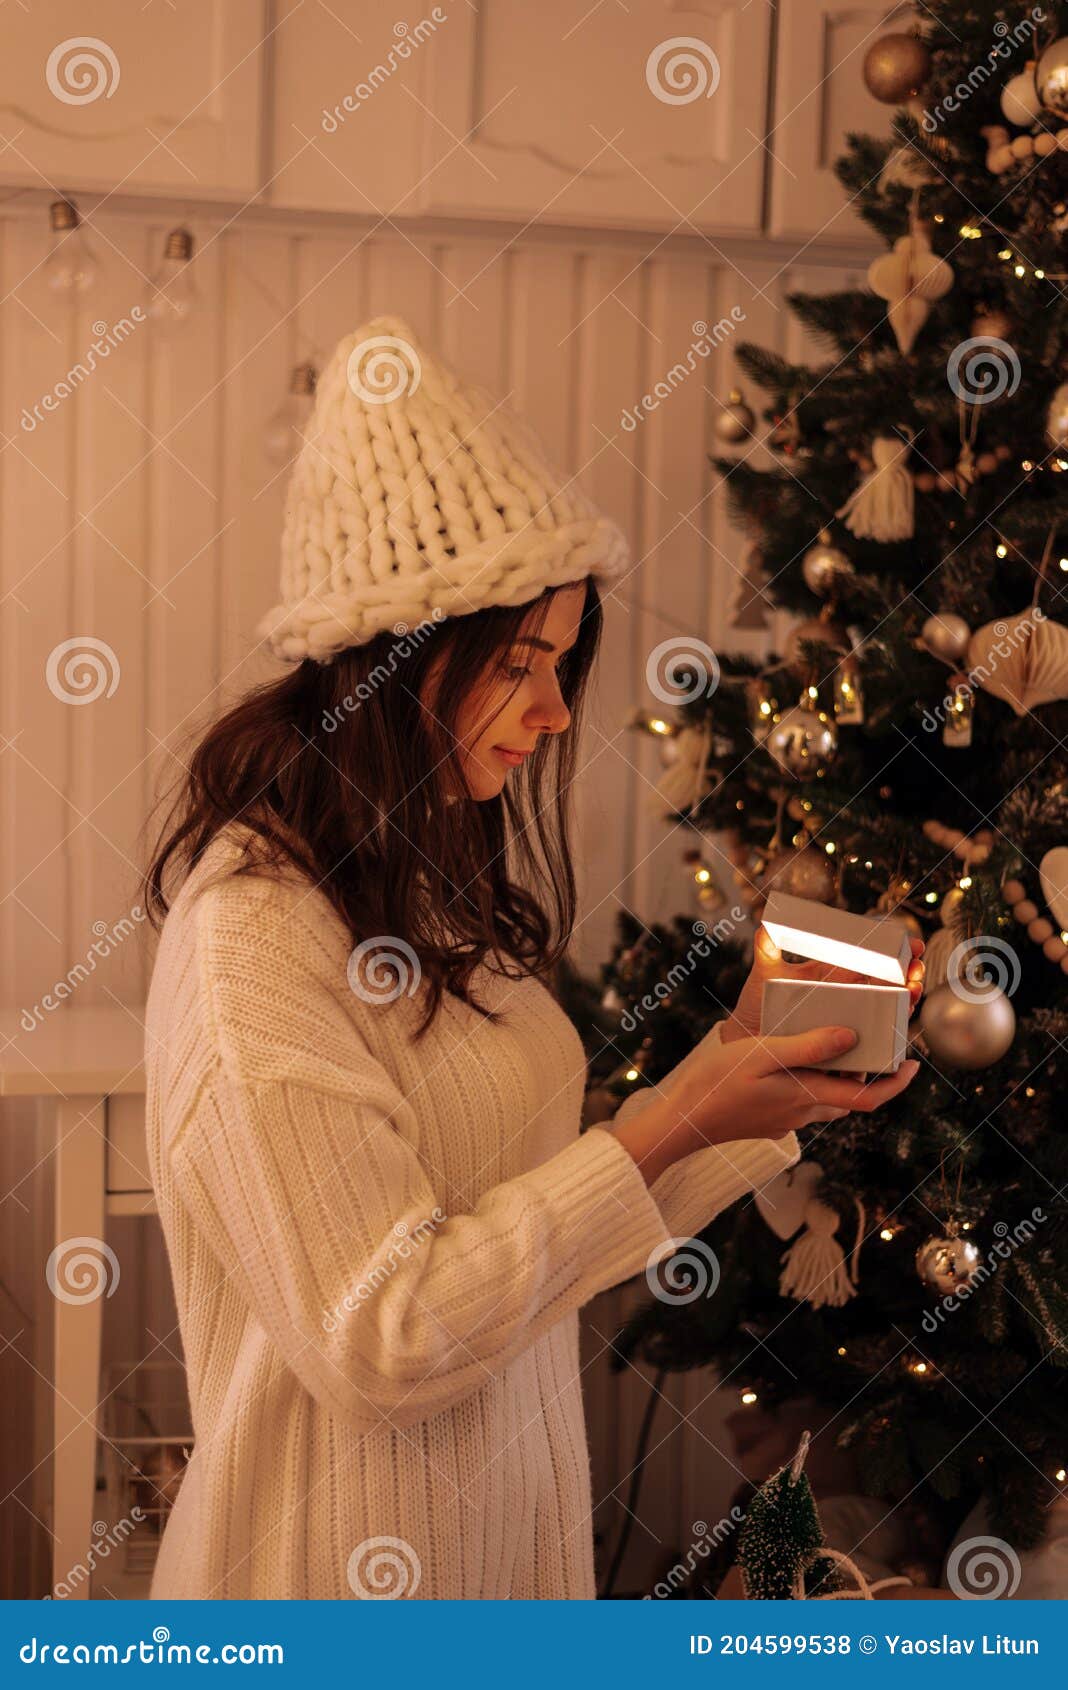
{"type": "Point", "coordinates": [904, 755]}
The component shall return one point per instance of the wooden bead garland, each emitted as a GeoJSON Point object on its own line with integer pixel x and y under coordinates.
{"type": "Point", "coordinates": [1039, 928]}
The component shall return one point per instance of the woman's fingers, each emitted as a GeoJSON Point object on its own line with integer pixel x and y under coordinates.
{"type": "Point", "coordinates": [826, 1090]}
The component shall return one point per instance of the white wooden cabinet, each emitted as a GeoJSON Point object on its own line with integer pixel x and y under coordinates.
{"type": "Point", "coordinates": [656, 113]}
{"type": "Point", "coordinates": [819, 98]}
{"type": "Point", "coordinates": [134, 99]}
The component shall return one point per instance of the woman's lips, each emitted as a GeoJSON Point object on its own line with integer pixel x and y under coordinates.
{"type": "Point", "coordinates": [512, 758]}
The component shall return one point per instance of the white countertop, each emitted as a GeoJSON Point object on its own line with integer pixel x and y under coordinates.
{"type": "Point", "coordinates": [72, 1052]}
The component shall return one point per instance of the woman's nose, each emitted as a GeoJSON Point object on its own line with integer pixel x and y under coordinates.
{"type": "Point", "coordinates": [549, 713]}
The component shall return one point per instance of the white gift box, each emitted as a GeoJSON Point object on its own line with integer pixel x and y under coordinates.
{"type": "Point", "coordinates": [878, 1012]}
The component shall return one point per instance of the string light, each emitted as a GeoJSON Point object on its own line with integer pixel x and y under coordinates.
{"type": "Point", "coordinates": [1001, 551]}
{"type": "Point", "coordinates": [841, 1349]}
{"type": "Point", "coordinates": [749, 1397]}
{"type": "Point", "coordinates": [1019, 269]}
{"type": "Point", "coordinates": [1026, 464]}
{"type": "Point", "coordinates": [930, 897]}
{"type": "Point", "coordinates": [1060, 1475]}
{"type": "Point", "coordinates": [1005, 254]}
{"type": "Point", "coordinates": [886, 1234]}
{"type": "Point", "coordinates": [703, 876]}
{"type": "Point", "coordinates": [631, 1075]}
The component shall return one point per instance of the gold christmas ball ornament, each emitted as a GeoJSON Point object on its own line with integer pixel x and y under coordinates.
{"type": "Point", "coordinates": [803, 742]}
{"type": "Point", "coordinates": [966, 1025]}
{"type": "Point", "coordinates": [824, 566]}
{"type": "Point", "coordinates": [946, 636]}
{"type": "Point", "coordinates": [1057, 417]}
{"type": "Point", "coordinates": [1051, 77]}
{"type": "Point", "coordinates": [735, 421]}
{"type": "Point", "coordinates": [946, 1262]}
{"type": "Point", "coordinates": [896, 67]}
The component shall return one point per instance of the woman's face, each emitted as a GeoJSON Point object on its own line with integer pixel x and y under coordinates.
{"type": "Point", "coordinates": [500, 716]}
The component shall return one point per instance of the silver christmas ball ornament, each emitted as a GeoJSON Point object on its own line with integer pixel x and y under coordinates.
{"type": "Point", "coordinates": [946, 1262]}
{"type": "Point", "coordinates": [803, 741]}
{"type": "Point", "coordinates": [824, 566]}
{"type": "Point", "coordinates": [967, 1026]}
{"type": "Point", "coordinates": [1051, 77]}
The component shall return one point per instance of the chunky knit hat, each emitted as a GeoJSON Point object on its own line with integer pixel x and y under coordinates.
{"type": "Point", "coordinates": [416, 497]}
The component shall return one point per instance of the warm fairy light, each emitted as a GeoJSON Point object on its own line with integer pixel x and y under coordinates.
{"type": "Point", "coordinates": [1001, 551]}
{"type": "Point", "coordinates": [969, 232]}
{"type": "Point", "coordinates": [1020, 269]}
{"type": "Point", "coordinates": [841, 1349]}
{"type": "Point", "coordinates": [918, 1367]}
{"type": "Point", "coordinates": [869, 865]}
{"type": "Point", "coordinates": [1026, 464]}
{"type": "Point", "coordinates": [813, 692]}
{"type": "Point", "coordinates": [1060, 1475]}
{"type": "Point", "coordinates": [938, 217]}
{"type": "Point", "coordinates": [631, 1074]}
{"type": "Point", "coordinates": [657, 725]}
{"type": "Point", "coordinates": [886, 1234]}
{"type": "Point", "coordinates": [1041, 275]}
{"type": "Point", "coordinates": [765, 707]}
{"type": "Point", "coordinates": [749, 1397]}
{"type": "Point", "coordinates": [964, 882]}
{"type": "Point", "coordinates": [703, 875]}
{"type": "Point", "coordinates": [1005, 254]}
{"type": "Point", "coordinates": [1029, 1091]}
{"type": "Point", "coordinates": [930, 897]}
{"type": "Point", "coordinates": [966, 1226]}
{"type": "Point", "coordinates": [830, 847]}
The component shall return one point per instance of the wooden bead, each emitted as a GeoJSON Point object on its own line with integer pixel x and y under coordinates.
{"type": "Point", "coordinates": [1013, 891]}
{"type": "Point", "coordinates": [1023, 146]}
{"type": "Point", "coordinates": [1062, 140]}
{"type": "Point", "coordinates": [1040, 930]}
{"type": "Point", "coordinates": [1055, 949]}
{"type": "Point", "coordinates": [998, 160]}
{"type": "Point", "coordinates": [925, 482]}
{"type": "Point", "coordinates": [1044, 145]}
{"type": "Point", "coordinates": [1025, 911]}
{"type": "Point", "coordinates": [986, 463]}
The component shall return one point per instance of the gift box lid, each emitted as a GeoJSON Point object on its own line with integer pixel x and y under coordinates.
{"type": "Point", "coordinates": [866, 944]}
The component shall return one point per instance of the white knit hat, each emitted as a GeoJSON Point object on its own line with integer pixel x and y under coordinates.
{"type": "Point", "coordinates": [415, 497]}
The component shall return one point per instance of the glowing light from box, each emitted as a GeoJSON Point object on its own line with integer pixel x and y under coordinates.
{"type": "Point", "coordinates": [837, 952]}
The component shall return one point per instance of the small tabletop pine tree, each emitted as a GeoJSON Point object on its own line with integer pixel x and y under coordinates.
{"type": "Point", "coordinates": [777, 1538]}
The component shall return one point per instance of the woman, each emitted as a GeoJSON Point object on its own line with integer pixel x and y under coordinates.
{"type": "Point", "coordinates": [363, 1101]}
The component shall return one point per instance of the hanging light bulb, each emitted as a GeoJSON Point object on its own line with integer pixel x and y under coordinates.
{"type": "Point", "coordinates": [172, 296]}
{"type": "Point", "coordinates": [285, 430]}
{"type": "Point", "coordinates": [70, 267]}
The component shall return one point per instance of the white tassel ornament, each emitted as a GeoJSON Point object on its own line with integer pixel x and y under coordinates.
{"type": "Point", "coordinates": [883, 507]}
{"type": "Point", "coordinates": [815, 1268]}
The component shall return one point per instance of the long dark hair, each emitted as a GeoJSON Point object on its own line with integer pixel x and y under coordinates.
{"type": "Point", "coordinates": [338, 770]}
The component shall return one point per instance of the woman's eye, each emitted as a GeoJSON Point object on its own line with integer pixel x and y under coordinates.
{"type": "Point", "coordinates": [516, 672]}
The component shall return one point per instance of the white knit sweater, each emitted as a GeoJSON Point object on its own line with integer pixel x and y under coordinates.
{"type": "Point", "coordinates": [379, 1251]}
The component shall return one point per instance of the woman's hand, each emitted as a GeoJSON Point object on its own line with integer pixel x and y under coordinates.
{"type": "Point", "coordinates": [768, 964]}
{"type": "Point", "coordinates": [753, 1088]}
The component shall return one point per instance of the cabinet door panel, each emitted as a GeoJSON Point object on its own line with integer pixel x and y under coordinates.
{"type": "Point", "coordinates": [645, 116]}
{"type": "Point", "coordinates": [819, 98]}
{"type": "Point", "coordinates": [156, 99]}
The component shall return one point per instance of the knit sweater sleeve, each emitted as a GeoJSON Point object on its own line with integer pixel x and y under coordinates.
{"type": "Point", "coordinates": [295, 1161]}
{"type": "Point", "coordinates": [694, 1190]}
